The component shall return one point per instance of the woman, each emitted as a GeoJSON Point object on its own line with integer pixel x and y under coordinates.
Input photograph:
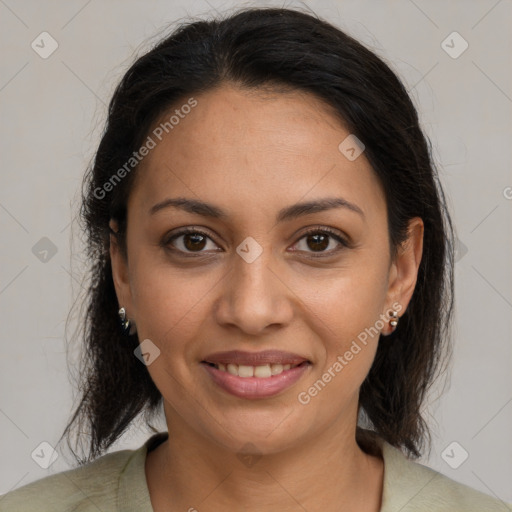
{"type": "Point", "coordinates": [272, 263]}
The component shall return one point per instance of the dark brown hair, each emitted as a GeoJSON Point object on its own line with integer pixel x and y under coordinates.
{"type": "Point", "coordinates": [255, 49]}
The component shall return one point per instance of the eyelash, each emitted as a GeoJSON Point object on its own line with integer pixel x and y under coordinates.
{"type": "Point", "coordinates": [313, 231]}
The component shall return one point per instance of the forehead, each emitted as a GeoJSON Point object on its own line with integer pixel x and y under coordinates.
{"type": "Point", "coordinates": [254, 151]}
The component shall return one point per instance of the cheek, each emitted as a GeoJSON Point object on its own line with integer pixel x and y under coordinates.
{"type": "Point", "coordinates": [345, 300]}
{"type": "Point", "coordinates": [171, 302]}
{"type": "Point", "coordinates": [343, 309]}
{"type": "Point", "coordinates": [333, 307]}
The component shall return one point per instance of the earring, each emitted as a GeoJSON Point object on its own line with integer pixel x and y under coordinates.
{"type": "Point", "coordinates": [393, 322]}
{"type": "Point", "coordinates": [127, 326]}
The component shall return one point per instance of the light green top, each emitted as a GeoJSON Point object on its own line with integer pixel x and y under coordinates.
{"type": "Point", "coordinates": [116, 482]}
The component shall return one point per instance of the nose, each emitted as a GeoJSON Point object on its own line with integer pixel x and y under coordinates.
{"type": "Point", "coordinates": [254, 297]}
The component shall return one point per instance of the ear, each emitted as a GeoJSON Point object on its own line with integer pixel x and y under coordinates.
{"type": "Point", "coordinates": [403, 272]}
{"type": "Point", "coordinates": [120, 274]}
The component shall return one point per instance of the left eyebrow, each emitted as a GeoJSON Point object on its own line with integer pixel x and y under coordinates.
{"type": "Point", "coordinates": [320, 205]}
{"type": "Point", "coordinates": [290, 212]}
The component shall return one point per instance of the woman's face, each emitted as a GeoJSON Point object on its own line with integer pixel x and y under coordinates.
{"type": "Point", "coordinates": [252, 279]}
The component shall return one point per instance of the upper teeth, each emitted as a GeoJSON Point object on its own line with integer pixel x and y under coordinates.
{"type": "Point", "coordinates": [263, 371]}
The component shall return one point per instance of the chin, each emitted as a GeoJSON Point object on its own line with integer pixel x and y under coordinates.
{"type": "Point", "coordinates": [263, 434]}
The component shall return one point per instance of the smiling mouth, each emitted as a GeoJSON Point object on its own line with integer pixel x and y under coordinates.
{"type": "Point", "coordinates": [260, 371]}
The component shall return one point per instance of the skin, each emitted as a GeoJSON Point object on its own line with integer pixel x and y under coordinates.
{"type": "Point", "coordinates": [251, 155]}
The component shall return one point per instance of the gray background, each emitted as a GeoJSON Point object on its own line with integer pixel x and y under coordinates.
{"type": "Point", "coordinates": [52, 112]}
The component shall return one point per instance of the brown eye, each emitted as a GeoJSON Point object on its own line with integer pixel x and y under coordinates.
{"type": "Point", "coordinates": [188, 241]}
{"type": "Point", "coordinates": [194, 242]}
{"type": "Point", "coordinates": [319, 240]}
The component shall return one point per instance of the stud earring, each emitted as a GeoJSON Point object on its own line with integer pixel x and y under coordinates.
{"type": "Point", "coordinates": [127, 325]}
{"type": "Point", "coordinates": [393, 322]}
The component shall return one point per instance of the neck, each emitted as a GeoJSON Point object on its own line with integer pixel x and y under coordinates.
{"type": "Point", "coordinates": [329, 472]}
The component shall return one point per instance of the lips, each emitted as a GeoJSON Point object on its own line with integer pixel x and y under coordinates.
{"type": "Point", "coordinates": [260, 371]}
{"type": "Point", "coordinates": [270, 357]}
{"type": "Point", "coordinates": [255, 375]}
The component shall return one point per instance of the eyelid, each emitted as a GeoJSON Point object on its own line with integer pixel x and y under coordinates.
{"type": "Point", "coordinates": [342, 240]}
{"type": "Point", "coordinates": [337, 235]}
{"type": "Point", "coordinates": [167, 239]}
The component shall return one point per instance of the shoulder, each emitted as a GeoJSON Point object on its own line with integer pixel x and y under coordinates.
{"type": "Point", "coordinates": [413, 487]}
{"type": "Point", "coordinates": [92, 486]}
